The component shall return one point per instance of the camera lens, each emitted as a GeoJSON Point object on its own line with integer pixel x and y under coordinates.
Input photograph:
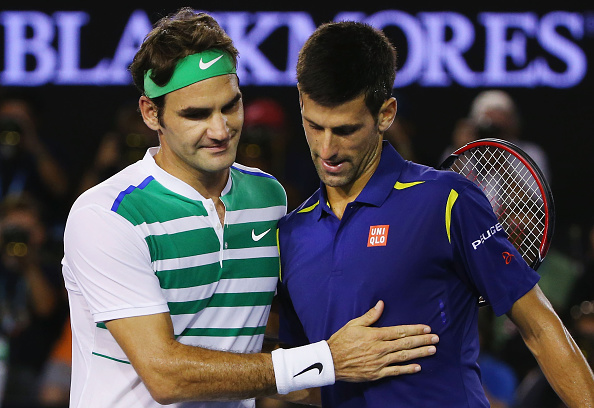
{"type": "Point", "coordinates": [15, 241]}
{"type": "Point", "coordinates": [10, 132]}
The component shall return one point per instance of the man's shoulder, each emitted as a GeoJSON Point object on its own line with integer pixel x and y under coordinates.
{"type": "Point", "coordinates": [257, 186]}
{"type": "Point", "coordinates": [253, 174]}
{"type": "Point", "coordinates": [431, 178]}
{"type": "Point", "coordinates": [108, 191]}
{"type": "Point", "coordinates": [302, 213]}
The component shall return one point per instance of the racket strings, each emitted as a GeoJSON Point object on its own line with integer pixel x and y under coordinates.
{"type": "Point", "coordinates": [513, 193]}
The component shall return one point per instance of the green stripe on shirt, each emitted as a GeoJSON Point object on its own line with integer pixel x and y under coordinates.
{"type": "Point", "coordinates": [222, 300]}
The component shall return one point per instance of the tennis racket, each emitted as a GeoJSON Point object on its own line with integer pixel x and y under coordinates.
{"type": "Point", "coordinates": [517, 190]}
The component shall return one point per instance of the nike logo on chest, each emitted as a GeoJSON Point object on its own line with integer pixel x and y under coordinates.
{"type": "Point", "coordinates": [258, 237]}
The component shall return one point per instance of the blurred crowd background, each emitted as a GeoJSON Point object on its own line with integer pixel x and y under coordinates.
{"type": "Point", "coordinates": [50, 153]}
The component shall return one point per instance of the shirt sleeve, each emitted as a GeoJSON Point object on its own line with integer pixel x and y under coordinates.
{"type": "Point", "coordinates": [485, 255]}
{"type": "Point", "coordinates": [108, 262]}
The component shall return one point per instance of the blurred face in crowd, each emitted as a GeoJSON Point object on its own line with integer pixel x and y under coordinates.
{"type": "Point", "coordinates": [21, 234]}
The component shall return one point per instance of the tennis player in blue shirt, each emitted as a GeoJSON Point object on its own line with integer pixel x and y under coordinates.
{"type": "Point", "coordinates": [425, 242]}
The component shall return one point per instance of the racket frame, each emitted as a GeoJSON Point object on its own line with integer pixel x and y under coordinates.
{"type": "Point", "coordinates": [537, 174]}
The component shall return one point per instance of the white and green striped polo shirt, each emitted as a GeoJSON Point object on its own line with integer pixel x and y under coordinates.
{"type": "Point", "coordinates": [144, 242]}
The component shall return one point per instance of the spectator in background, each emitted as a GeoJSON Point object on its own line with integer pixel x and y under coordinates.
{"type": "Point", "coordinates": [583, 287]}
{"type": "Point", "coordinates": [582, 322]}
{"type": "Point", "coordinates": [120, 147]}
{"type": "Point", "coordinates": [498, 377]}
{"type": "Point", "coordinates": [32, 297]}
{"type": "Point", "coordinates": [496, 115]}
{"type": "Point", "coordinates": [464, 132]}
{"type": "Point", "coordinates": [534, 391]}
{"type": "Point", "coordinates": [57, 373]}
{"type": "Point", "coordinates": [263, 143]}
{"type": "Point", "coordinates": [400, 135]}
{"type": "Point", "coordinates": [27, 164]}
{"type": "Point", "coordinates": [264, 136]}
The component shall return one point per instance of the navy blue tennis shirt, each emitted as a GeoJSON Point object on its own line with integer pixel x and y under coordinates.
{"type": "Point", "coordinates": [424, 241]}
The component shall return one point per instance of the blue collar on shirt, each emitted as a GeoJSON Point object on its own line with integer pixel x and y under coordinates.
{"type": "Point", "coordinates": [378, 187]}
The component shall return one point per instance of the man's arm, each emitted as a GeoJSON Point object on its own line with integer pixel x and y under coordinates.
{"type": "Point", "coordinates": [176, 372]}
{"type": "Point", "coordinates": [557, 354]}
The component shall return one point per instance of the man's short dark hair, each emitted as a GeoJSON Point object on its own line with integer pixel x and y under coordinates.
{"type": "Point", "coordinates": [343, 60]}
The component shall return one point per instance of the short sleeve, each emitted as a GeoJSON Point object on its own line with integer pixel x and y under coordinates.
{"type": "Point", "coordinates": [484, 254]}
{"type": "Point", "coordinates": [108, 262]}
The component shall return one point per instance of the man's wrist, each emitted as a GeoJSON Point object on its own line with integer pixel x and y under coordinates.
{"type": "Point", "coordinates": [303, 367]}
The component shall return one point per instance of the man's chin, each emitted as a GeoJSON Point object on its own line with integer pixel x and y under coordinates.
{"type": "Point", "coordinates": [217, 165]}
{"type": "Point", "coordinates": [332, 180]}
{"type": "Point", "coordinates": [223, 158]}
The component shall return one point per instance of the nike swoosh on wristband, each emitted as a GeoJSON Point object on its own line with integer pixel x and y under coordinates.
{"type": "Point", "coordinates": [259, 236]}
{"type": "Point", "coordinates": [319, 366]}
{"type": "Point", "coordinates": [205, 65]}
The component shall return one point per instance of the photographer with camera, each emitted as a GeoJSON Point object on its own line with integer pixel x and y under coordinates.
{"type": "Point", "coordinates": [119, 147]}
{"type": "Point", "coordinates": [496, 115]}
{"type": "Point", "coordinates": [28, 164]}
{"type": "Point", "coordinates": [32, 302]}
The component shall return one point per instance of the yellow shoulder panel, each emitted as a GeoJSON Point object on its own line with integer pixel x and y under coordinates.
{"type": "Point", "coordinates": [280, 272]}
{"type": "Point", "coordinates": [448, 211]}
{"type": "Point", "coordinates": [308, 209]}
{"type": "Point", "coordinates": [402, 186]}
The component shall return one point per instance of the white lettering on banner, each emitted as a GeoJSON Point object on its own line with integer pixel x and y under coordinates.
{"type": "Point", "coordinates": [520, 49]}
{"type": "Point", "coordinates": [18, 45]}
{"type": "Point", "coordinates": [445, 55]}
{"type": "Point", "coordinates": [250, 30]}
{"type": "Point", "coordinates": [68, 67]}
{"type": "Point", "coordinates": [136, 29]}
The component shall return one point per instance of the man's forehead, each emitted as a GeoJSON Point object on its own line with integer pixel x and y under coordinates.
{"type": "Point", "coordinates": [204, 94]}
{"type": "Point", "coordinates": [349, 113]}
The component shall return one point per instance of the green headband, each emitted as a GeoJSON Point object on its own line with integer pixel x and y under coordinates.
{"type": "Point", "coordinates": [191, 69]}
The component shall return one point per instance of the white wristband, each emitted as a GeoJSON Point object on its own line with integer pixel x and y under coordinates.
{"type": "Point", "coordinates": [303, 367]}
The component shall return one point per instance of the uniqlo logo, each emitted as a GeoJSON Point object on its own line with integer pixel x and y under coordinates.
{"type": "Point", "coordinates": [378, 235]}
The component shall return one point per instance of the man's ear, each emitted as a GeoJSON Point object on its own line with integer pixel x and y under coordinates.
{"type": "Point", "coordinates": [387, 114]}
{"type": "Point", "coordinates": [149, 111]}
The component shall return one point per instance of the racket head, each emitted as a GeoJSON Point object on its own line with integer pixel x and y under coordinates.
{"type": "Point", "coordinates": [517, 189]}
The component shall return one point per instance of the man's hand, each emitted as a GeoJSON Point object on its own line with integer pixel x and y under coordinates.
{"type": "Point", "coordinates": [363, 353]}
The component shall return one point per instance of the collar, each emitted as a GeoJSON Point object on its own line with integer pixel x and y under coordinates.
{"type": "Point", "coordinates": [379, 186]}
{"type": "Point", "coordinates": [171, 182]}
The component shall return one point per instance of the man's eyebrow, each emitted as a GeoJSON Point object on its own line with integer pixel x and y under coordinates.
{"type": "Point", "coordinates": [197, 111]}
{"type": "Point", "coordinates": [311, 122]}
{"type": "Point", "coordinates": [232, 101]}
{"type": "Point", "coordinates": [344, 129]}
{"type": "Point", "coordinates": [348, 128]}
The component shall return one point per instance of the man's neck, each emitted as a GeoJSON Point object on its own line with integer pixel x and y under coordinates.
{"type": "Point", "coordinates": [340, 197]}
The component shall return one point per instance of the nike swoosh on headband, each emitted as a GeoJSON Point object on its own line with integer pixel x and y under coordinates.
{"type": "Point", "coordinates": [205, 65]}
